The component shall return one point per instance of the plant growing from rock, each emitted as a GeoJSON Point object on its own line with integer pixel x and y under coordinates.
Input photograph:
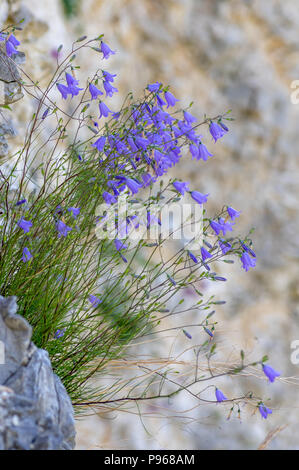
{"type": "Point", "coordinates": [90, 277]}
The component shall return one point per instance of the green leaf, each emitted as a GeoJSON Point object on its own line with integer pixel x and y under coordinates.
{"type": "Point", "coordinates": [236, 370]}
{"type": "Point", "coordinates": [5, 106]}
{"type": "Point", "coordinates": [85, 108]}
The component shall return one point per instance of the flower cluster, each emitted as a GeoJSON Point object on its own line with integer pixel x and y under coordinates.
{"type": "Point", "coordinates": [71, 88]}
{"type": "Point", "coordinates": [153, 139]}
{"type": "Point", "coordinates": [271, 374]}
{"type": "Point", "coordinates": [11, 43]}
{"type": "Point", "coordinates": [133, 150]}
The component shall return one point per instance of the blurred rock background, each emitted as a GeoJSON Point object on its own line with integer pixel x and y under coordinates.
{"type": "Point", "coordinates": [222, 54]}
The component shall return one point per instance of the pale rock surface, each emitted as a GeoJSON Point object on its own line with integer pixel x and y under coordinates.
{"type": "Point", "coordinates": [35, 410]}
{"type": "Point", "coordinates": [222, 55]}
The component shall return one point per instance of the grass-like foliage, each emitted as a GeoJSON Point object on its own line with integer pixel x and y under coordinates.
{"type": "Point", "coordinates": [90, 294]}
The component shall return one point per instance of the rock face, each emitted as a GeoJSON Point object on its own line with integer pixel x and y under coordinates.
{"type": "Point", "coordinates": [10, 91]}
{"type": "Point", "coordinates": [223, 54]}
{"type": "Point", "coordinates": [10, 77]}
{"type": "Point", "coordinates": [35, 410]}
{"type": "Point", "coordinates": [6, 128]}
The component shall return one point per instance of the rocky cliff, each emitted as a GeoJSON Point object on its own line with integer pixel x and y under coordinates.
{"type": "Point", "coordinates": [221, 54]}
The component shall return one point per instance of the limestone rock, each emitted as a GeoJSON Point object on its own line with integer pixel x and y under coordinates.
{"type": "Point", "coordinates": [6, 128]}
{"type": "Point", "coordinates": [33, 28]}
{"type": "Point", "coordinates": [10, 88]}
{"type": "Point", "coordinates": [8, 70]}
{"type": "Point", "coordinates": [10, 92]}
{"type": "Point", "coordinates": [35, 410]}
